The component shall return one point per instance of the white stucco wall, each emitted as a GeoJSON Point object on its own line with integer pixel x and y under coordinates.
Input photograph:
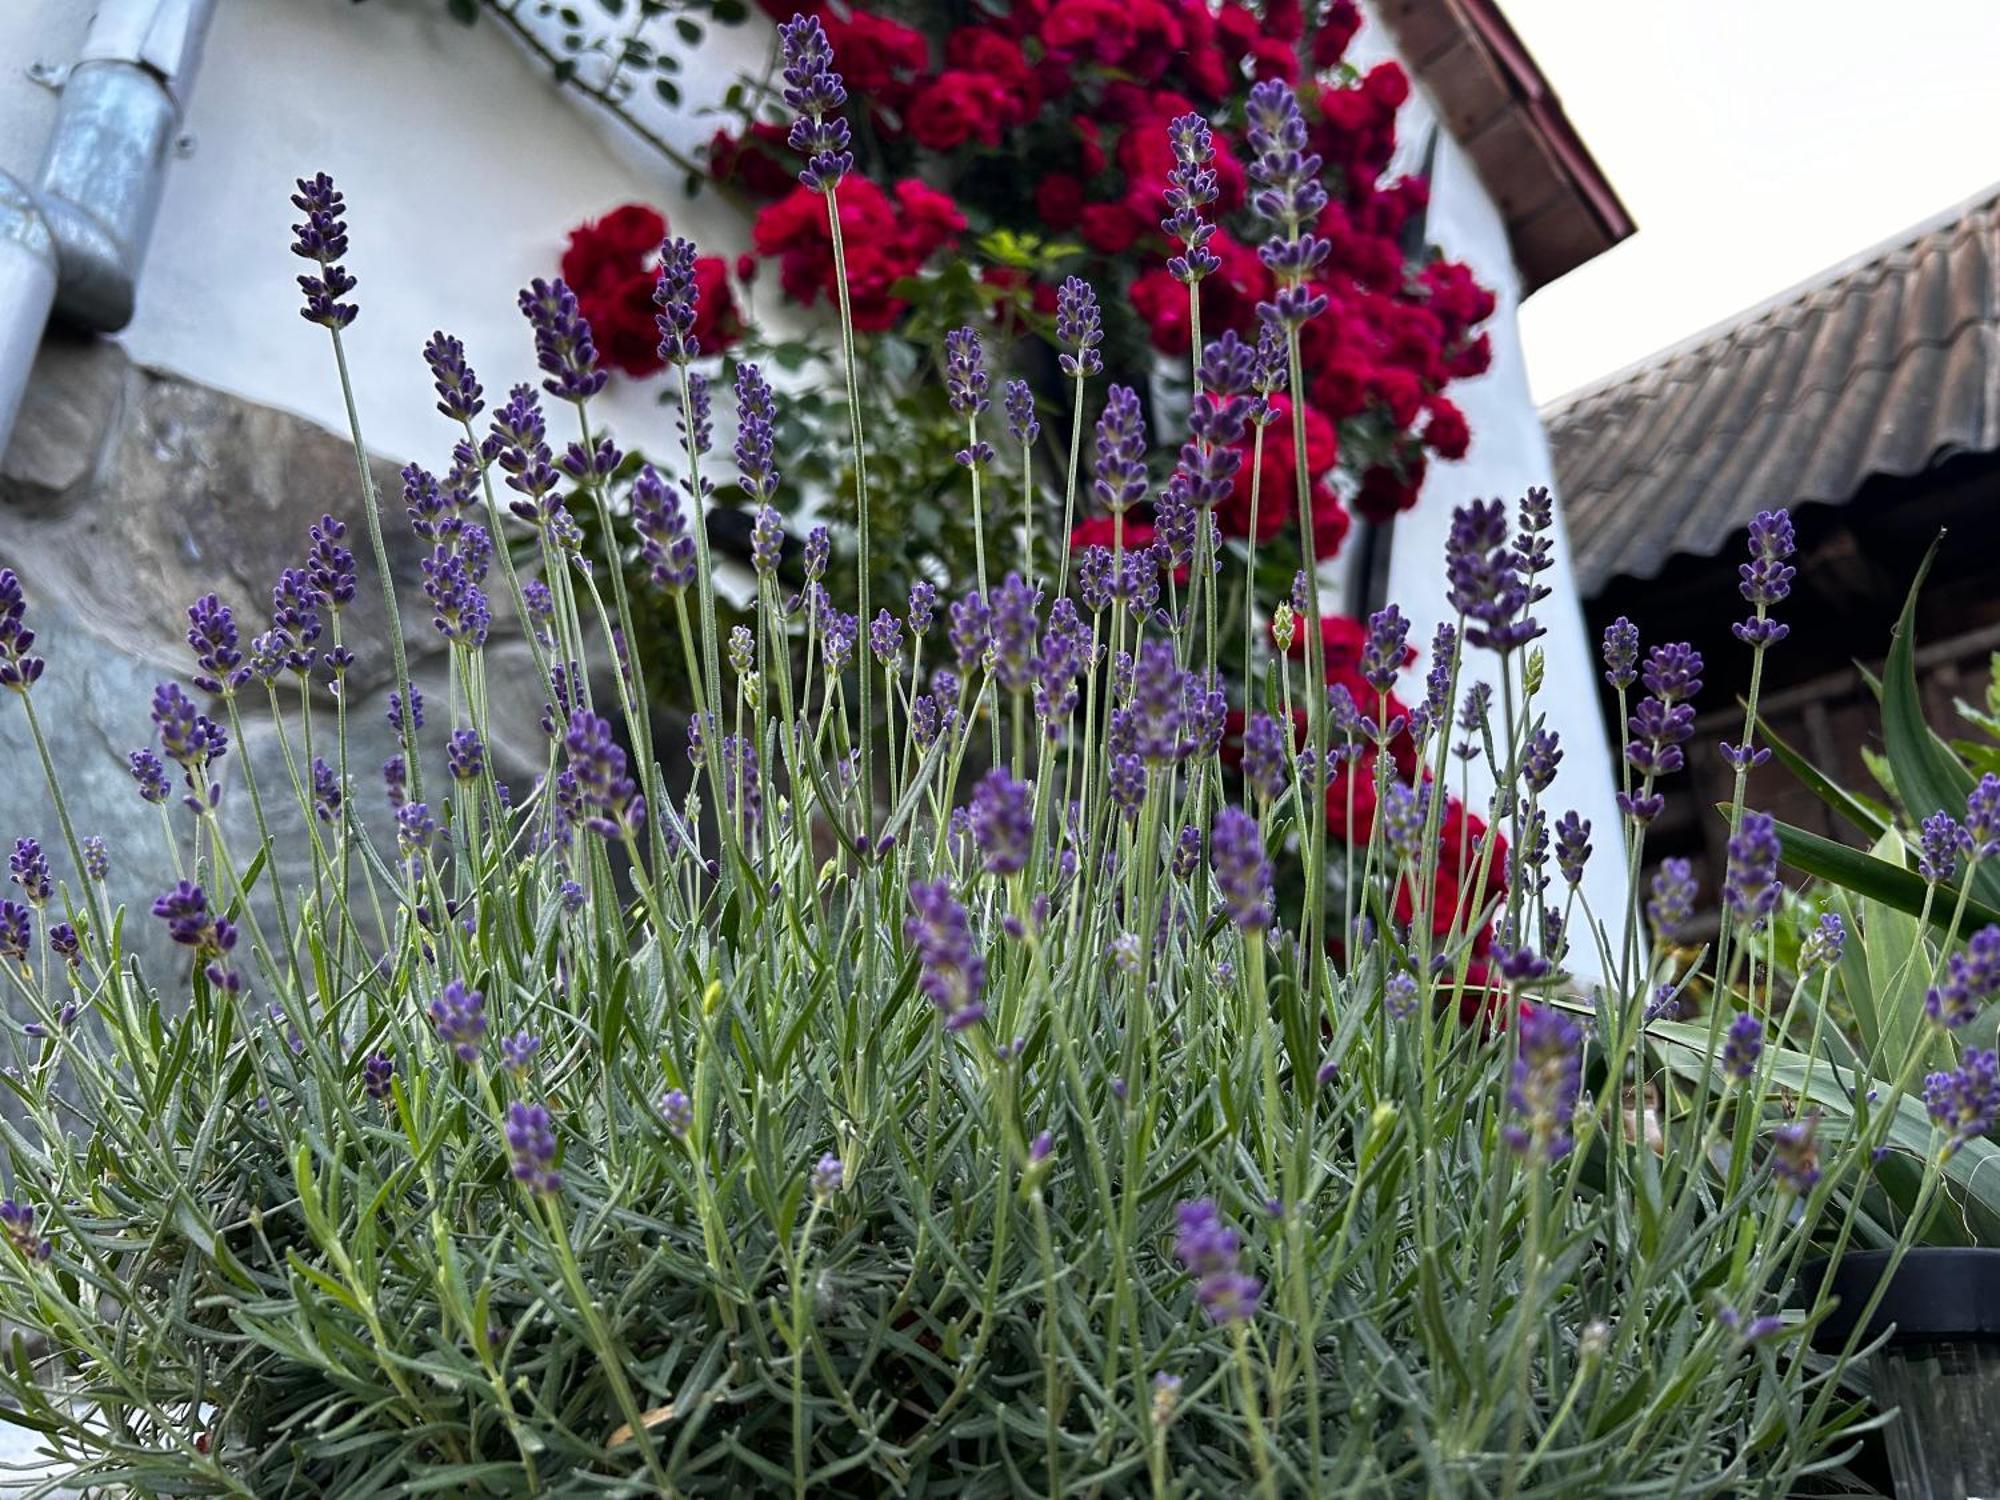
{"type": "Point", "coordinates": [1509, 453]}
{"type": "Point", "coordinates": [463, 169]}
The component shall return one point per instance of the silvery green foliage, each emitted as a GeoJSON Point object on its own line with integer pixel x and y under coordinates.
{"type": "Point", "coordinates": [983, 1112]}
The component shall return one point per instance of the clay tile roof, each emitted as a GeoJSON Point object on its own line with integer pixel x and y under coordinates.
{"type": "Point", "coordinates": [1886, 364]}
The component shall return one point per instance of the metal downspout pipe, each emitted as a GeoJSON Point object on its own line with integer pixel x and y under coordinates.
{"type": "Point", "coordinates": [72, 244]}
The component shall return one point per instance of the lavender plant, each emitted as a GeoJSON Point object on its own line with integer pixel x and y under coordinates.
{"type": "Point", "coordinates": [940, 1098]}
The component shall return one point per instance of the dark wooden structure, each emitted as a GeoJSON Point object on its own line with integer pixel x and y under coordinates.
{"type": "Point", "coordinates": [1868, 401]}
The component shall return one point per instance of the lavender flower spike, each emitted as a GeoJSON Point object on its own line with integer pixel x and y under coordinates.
{"type": "Point", "coordinates": [813, 89]}
{"type": "Point", "coordinates": [531, 1148]}
{"type": "Point", "coordinates": [679, 301]}
{"type": "Point", "coordinates": [1242, 870]}
{"type": "Point", "coordinates": [563, 345]}
{"type": "Point", "coordinates": [18, 670]}
{"type": "Point", "coordinates": [952, 971]}
{"type": "Point", "coordinates": [1211, 1252]}
{"type": "Point", "coordinates": [322, 239]}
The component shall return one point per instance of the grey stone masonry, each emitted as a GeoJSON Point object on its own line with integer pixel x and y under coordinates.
{"type": "Point", "coordinates": [126, 494]}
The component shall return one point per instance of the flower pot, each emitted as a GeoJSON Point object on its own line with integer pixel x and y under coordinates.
{"type": "Point", "coordinates": [1940, 1368]}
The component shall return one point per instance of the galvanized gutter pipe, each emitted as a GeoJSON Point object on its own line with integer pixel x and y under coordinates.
{"type": "Point", "coordinates": [73, 243]}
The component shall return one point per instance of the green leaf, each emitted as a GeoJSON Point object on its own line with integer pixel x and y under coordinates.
{"type": "Point", "coordinates": [1928, 775]}
{"type": "Point", "coordinates": [1894, 953]}
{"type": "Point", "coordinates": [1971, 1169]}
{"type": "Point", "coordinates": [1865, 875]}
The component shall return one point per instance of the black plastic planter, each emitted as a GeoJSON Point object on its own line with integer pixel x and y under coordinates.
{"type": "Point", "coordinates": [1940, 1366]}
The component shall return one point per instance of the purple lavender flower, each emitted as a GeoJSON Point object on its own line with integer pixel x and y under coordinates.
{"type": "Point", "coordinates": [923, 608]}
{"type": "Point", "coordinates": [1743, 1046]}
{"type": "Point", "coordinates": [377, 1071]}
{"type": "Point", "coordinates": [952, 973]}
{"type": "Point", "coordinates": [415, 828]}
{"type": "Point", "coordinates": [1548, 1075]}
{"type": "Point", "coordinates": [829, 1177]}
{"type": "Point", "coordinates": [465, 755]}
{"type": "Point", "coordinates": [17, 1227]}
{"type": "Point", "coordinates": [28, 867]}
{"type": "Point", "coordinates": [1266, 757]}
{"type": "Point", "coordinates": [813, 89]}
{"type": "Point", "coordinates": [396, 780]}
{"type": "Point", "coordinates": [1288, 195]}
{"type": "Point", "coordinates": [1971, 977]}
{"type": "Point", "coordinates": [1824, 945]}
{"type": "Point", "coordinates": [1383, 652]}
{"type": "Point", "coordinates": [517, 1052]}
{"type": "Point", "coordinates": [965, 380]}
{"type": "Point", "coordinates": [1079, 329]}
{"type": "Point", "coordinates": [1540, 759]}
{"type": "Point", "coordinates": [1749, 1329]}
{"type": "Point", "coordinates": [460, 612]}
{"type": "Point", "coordinates": [1751, 889]}
{"type": "Point", "coordinates": [96, 858]}
{"type": "Point", "coordinates": [1487, 584]}
{"type": "Point", "coordinates": [666, 545]}
{"type": "Point", "coordinates": [1022, 424]}
{"type": "Point", "coordinates": [1982, 818]}
{"type": "Point", "coordinates": [1399, 995]}
{"type": "Point", "coordinates": [191, 924]}
{"type": "Point", "coordinates": [1767, 577]}
{"type": "Point", "coordinates": [460, 1017]}
{"type": "Point", "coordinates": [756, 470]}
{"type": "Point", "coordinates": [1940, 844]}
{"type": "Point", "coordinates": [1405, 810]}
{"type": "Point", "coordinates": [677, 1111]}
{"type": "Point", "coordinates": [1965, 1100]}
{"type": "Point", "coordinates": [459, 394]}
{"type": "Point", "coordinates": [64, 943]}
{"type": "Point", "coordinates": [1663, 721]}
{"type": "Point", "coordinates": [1015, 605]}
{"type": "Point", "coordinates": [531, 1148]}
{"type": "Point", "coordinates": [1211, 1252]}
{"type": "Point", "coordinates": [149, 775]}
{"type": "Point", "coordinates": [329, 791]}
{"type": "Point", "coordinates": [1621, 653]}
{"type": "Point", "coordinates": [885, 638]}
{"type": "Point", "coordinates": [212, 635]}
{"type": "Point", "coordinates": [819, 547]}
{"type": "Point", "coordinates": [1191, 187]}
{"type": "Point", "coordinates": [563, 346]}
{"type": "Point", "coordinates": [322, 239]}
{"type": "Point", "coordinates": [1242, 870]}
{"type": "Point", "coordinates": [767, 541]}
{"type": "Point", "coordinates": [742, 782]}
{"type": "Point", "coordinates": [609, 797]}
{"type": "Point", "coordinates": [1003, 822]}
{"type": "Point", "coordinates": [678, 297]}
{"type": "Point", "coordinates": [1795, 1154]}
{"type": "Point", "coordinates": [1572, 846]}
{"type": "Point", "coordinates": [1120, 469]}
{"type": "Point", "coordinates": [18, 670]}
{"type": "Point", "coordinates": [191, 739]}
{"type": "Point", "coordinates": [971, 631]}
{"type": "Point", "coordinates": [1154, 725]}
{"type": "Point", "coordinates": [16, 930]}
{"type": "Point", "coordinates": [1126, 785]}
{"type": "Point", "coordinates": [1064, 654]}
{"type": "Point", "coordinates": [330, 565]}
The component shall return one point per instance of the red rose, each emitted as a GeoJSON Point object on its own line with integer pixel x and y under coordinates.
{"type": "Point", "coordinates": [1384, 492]}
{"type": "Point", "coordinates": [1090, 148]}
{"type": "Point", "coordinates": [1397, 388]}
{"type": "Point", "coordinates": [1162, 305]}
{"type": "Point", "coordinates": [604, 251]}
{"type": "Point", "coordinates": [1099, 29]}
{"type": "Point", "coordinates": [758, 162]}
{"type": "Point", "coordinates": [1277, 499]}
{"type": "Point", "coordinates": [1330, 522]}
{"type": "Point", "coordinates": [955, 107]}
{"type": "Point", "coordinates": [1337, 25]}
{"type": "Point", "coordinates": [981, 49]}
{"type": "Point", "coordinates": [875, 53]}
{"type": "Point", "coordinates": [932, 220]}
{"type": "Point", "coordinates": [1271, 58]}
{"type": "Point", "coordinates": [1350, 801]}
{"type": "Point", "coordinates": [1109, 228]}
{"type": "Point", "coordinates": [1445, 433]}
{"type": "Point", "coordinates": [1059, 202]}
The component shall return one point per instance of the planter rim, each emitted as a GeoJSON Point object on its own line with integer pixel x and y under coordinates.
{"type": "Point", "coordinates": [1938, 1294]}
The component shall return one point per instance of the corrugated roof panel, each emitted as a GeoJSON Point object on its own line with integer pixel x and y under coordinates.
{"type": "Point", "coordinates": [1882, 366]}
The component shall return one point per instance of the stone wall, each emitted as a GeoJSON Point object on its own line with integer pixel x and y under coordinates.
{"type": "Point", "coordinates": [124, 495]}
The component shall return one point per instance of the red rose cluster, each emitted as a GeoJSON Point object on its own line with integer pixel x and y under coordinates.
{"type": "Point", "coordinates": [886, 235]}
{"type": "Point", "coordinates": [611, 264]}
{"type": "Point", "coordinates": [1085, 89]}
{"type": "Point", "coordinates": [1467, 881]}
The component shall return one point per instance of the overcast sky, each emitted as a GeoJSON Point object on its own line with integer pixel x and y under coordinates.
{"type": "Point", "coordinates": [1755, 142]}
